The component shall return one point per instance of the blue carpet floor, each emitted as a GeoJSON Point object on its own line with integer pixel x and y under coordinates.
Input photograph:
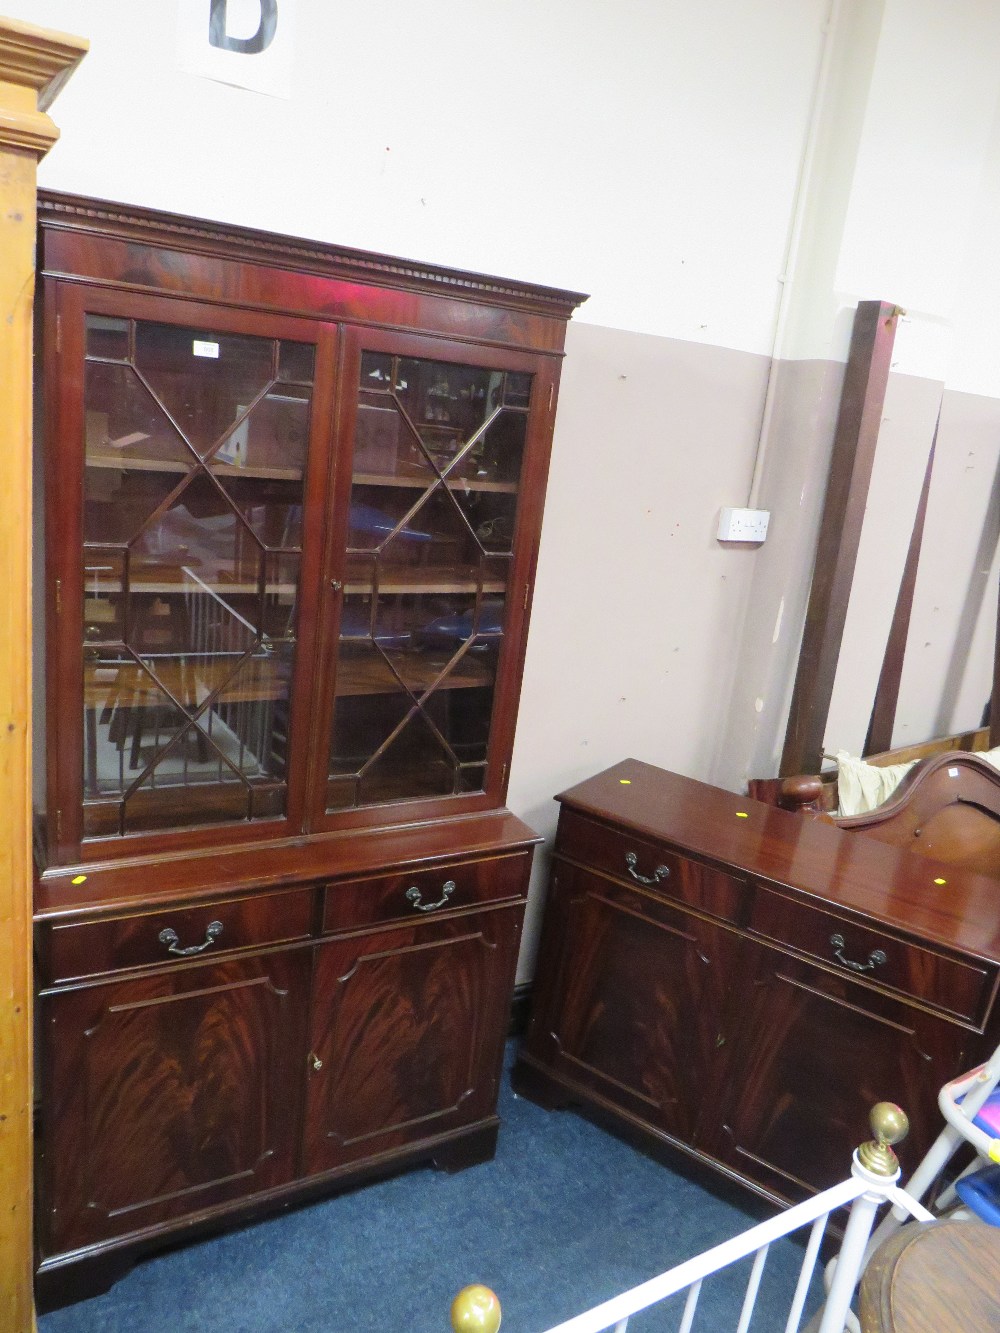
{"type": "Point", "coordinates": [564, 1217]}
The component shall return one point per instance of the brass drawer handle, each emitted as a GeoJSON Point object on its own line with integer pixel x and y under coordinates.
{"type": "Point", "coordinates": [875, 959]}
{"type": "Point", "coordinates": [661, 872]}
{"type": "Point", "coordinates": [413, 895]}
{"type": "Point", "coordinates": [170, 939]}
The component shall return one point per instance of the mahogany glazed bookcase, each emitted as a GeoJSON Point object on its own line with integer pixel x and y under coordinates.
{"type": "Point", "coordinates": [292, 501]}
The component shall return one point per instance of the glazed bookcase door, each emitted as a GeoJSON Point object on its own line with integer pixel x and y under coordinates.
{"type": "Point", "coordinates": [193, 432]}
{"type": "Point", "coordinates": [429, 579]}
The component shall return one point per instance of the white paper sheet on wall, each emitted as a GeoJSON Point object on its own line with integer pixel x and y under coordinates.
{"type": "Point", "coordinates": [246, 43]}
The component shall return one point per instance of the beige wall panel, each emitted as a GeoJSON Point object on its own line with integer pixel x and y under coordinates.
{"type": "Point", "coordinates": [793, 485]}
{"type": "Point", "coordinates": [637, 608]}
{"type": "Point", "coordinates": [949, 656]}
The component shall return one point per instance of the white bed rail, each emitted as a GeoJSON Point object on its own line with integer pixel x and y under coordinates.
{"type": "Point", "coordinates": [874, 1173]}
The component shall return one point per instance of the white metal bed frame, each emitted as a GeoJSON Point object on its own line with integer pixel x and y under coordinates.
{"type": "Point", "coordinates": [960, 1101]}
{"type": "Point", "coordinates": [873, 1182]}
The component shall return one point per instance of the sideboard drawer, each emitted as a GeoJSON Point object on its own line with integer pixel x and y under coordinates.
{"type": "Point", "coordinates": [959, 986]}
{"type": "Point", "coordinates": [638, 861]}
{"type": "Point", "coordinates": [418, 895]}
{"type": "Point", "coordinates": [91, 948]}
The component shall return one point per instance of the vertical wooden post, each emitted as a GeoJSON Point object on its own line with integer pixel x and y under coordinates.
{"type": "Point", "coordinates": [33, 65]}
{"type": "Point", "coordinates": [854, 444]}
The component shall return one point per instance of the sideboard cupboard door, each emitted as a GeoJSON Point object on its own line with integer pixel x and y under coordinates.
{"type": "Point", "coordinates": [170, 1093]}
{"type": "Point", "coordinates": [626, 1012]}
{"type": "Point", "coordinates": [810, 1052]}
{"type": "Point", "coordinates": [408, 1027]}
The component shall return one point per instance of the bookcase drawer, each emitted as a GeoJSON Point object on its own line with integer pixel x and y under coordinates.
{"type": "Point", "coordinates": [92, 948]}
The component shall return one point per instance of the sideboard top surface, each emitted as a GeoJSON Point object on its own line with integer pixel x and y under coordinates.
{"type": "Point", "coordinates": [87, 890]}
{"type": "Point", "coordinates": [953, 907]}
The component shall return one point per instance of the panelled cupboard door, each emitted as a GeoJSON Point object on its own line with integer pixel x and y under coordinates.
{"type": "Point", "coordinates": [810, 1053]}
{"type": "Point", "coordinates": [623, 1012]}
{"type": "Point", "coordinates": [408, 1027]}
{"type": "Point", "coordinates": [185, 565]}
{"type": "Point", "coordinates": [170, 1093]}
{"type": "Point", "coordinates": [441, 467]}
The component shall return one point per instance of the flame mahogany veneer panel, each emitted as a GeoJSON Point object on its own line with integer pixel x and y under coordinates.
{"type": "Point", "coordinates": [171, 1092]}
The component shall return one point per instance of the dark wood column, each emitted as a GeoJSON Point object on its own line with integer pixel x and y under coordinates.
{"type": "Point", "coordinates": [854, 445]}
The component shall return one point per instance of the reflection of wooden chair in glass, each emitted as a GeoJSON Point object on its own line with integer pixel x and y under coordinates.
{"type": "Point", "coordinates": [242, 676]}
{"type": "Point", "coordinates": [160, 629]}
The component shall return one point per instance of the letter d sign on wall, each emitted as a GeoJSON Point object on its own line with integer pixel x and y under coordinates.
{"type": "Point", "coordinates": [246, 43]}
{"type": "Point", "coordinates": [218, 28]}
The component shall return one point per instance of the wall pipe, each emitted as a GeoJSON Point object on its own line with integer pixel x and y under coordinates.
{"type": "Point", "coordinates": [803, 193]}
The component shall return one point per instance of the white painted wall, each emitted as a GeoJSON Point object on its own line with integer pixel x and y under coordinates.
{"type": "Point", "coordinates": [642, 150]}
{"type": "Point", "coordinates": [903, 205]}
{"type": "Point", "coordinates": [906, 189]}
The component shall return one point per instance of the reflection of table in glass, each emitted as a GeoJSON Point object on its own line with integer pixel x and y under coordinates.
{"type": "Point", "coordinates": [124, 701]}
{"type": "Point", "coordinates": [418, 672]}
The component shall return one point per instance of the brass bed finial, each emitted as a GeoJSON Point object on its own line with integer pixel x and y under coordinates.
{"type": "Point", "coordinates": [475, 1309]}
{"type": "Point", "coordinates": [890, 1125]}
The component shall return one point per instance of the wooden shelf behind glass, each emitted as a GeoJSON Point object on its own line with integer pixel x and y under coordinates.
{"type": "Point", "coordinates": [123, 464]}
{"type": "Point", "coordinates": [418, 674]}
{"type": "Point", "coordinates": [420, 481]}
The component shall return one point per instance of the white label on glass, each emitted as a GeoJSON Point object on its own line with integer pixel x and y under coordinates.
{"type": "Point", "coordinates": [204, 349]}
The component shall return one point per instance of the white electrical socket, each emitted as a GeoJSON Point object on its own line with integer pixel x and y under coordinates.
{"type": "Point", "coordinates": [743, 525]}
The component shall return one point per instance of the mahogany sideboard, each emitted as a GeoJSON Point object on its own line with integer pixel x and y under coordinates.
{"type": "Point", "coordinates": [732, 980]}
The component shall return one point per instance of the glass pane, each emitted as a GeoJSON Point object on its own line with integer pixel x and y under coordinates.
{"type": "Point", "coordinates": [128, 717]}
{"type": "Point", "coordinates": [516, 390]}
{"type": "Point", "coordinates": [107, 337]}
{"type": "Point", "coordinates": [387, 445]}
{"type": "Point", "coordinates": [125, 425]}
{"type": "Point", "coordinates": [379, 514]}
{"type": "Point", "coordinates": [272, 438]}
{"type": "Point", "coordinates": [191, 572]}
{"type": "Point", "coordinates": [415, 763]}
{"type": "Point", "coordinates": [296, 362]}
{"type": "Point", "coordinates": [119, 503]}
{"type": "Point", "coordinates": [472, 777]}
{"type": "Point", "coordinates": [461, 704]}
{"type": "Point", "coordinates": [447, 404]}
{"type": "Point", "coordinates": [437, 464]}
{"type": "Point", "coordinates": [205, 380]}
{"type": "Point", "coordinates": [272, 510]}
{"type": "Point", "coordinates": [490, 515]}
{"type": "Point", "coordinates": [197, 539]}
{"type": "Point", "coordinates": [103, 580]}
